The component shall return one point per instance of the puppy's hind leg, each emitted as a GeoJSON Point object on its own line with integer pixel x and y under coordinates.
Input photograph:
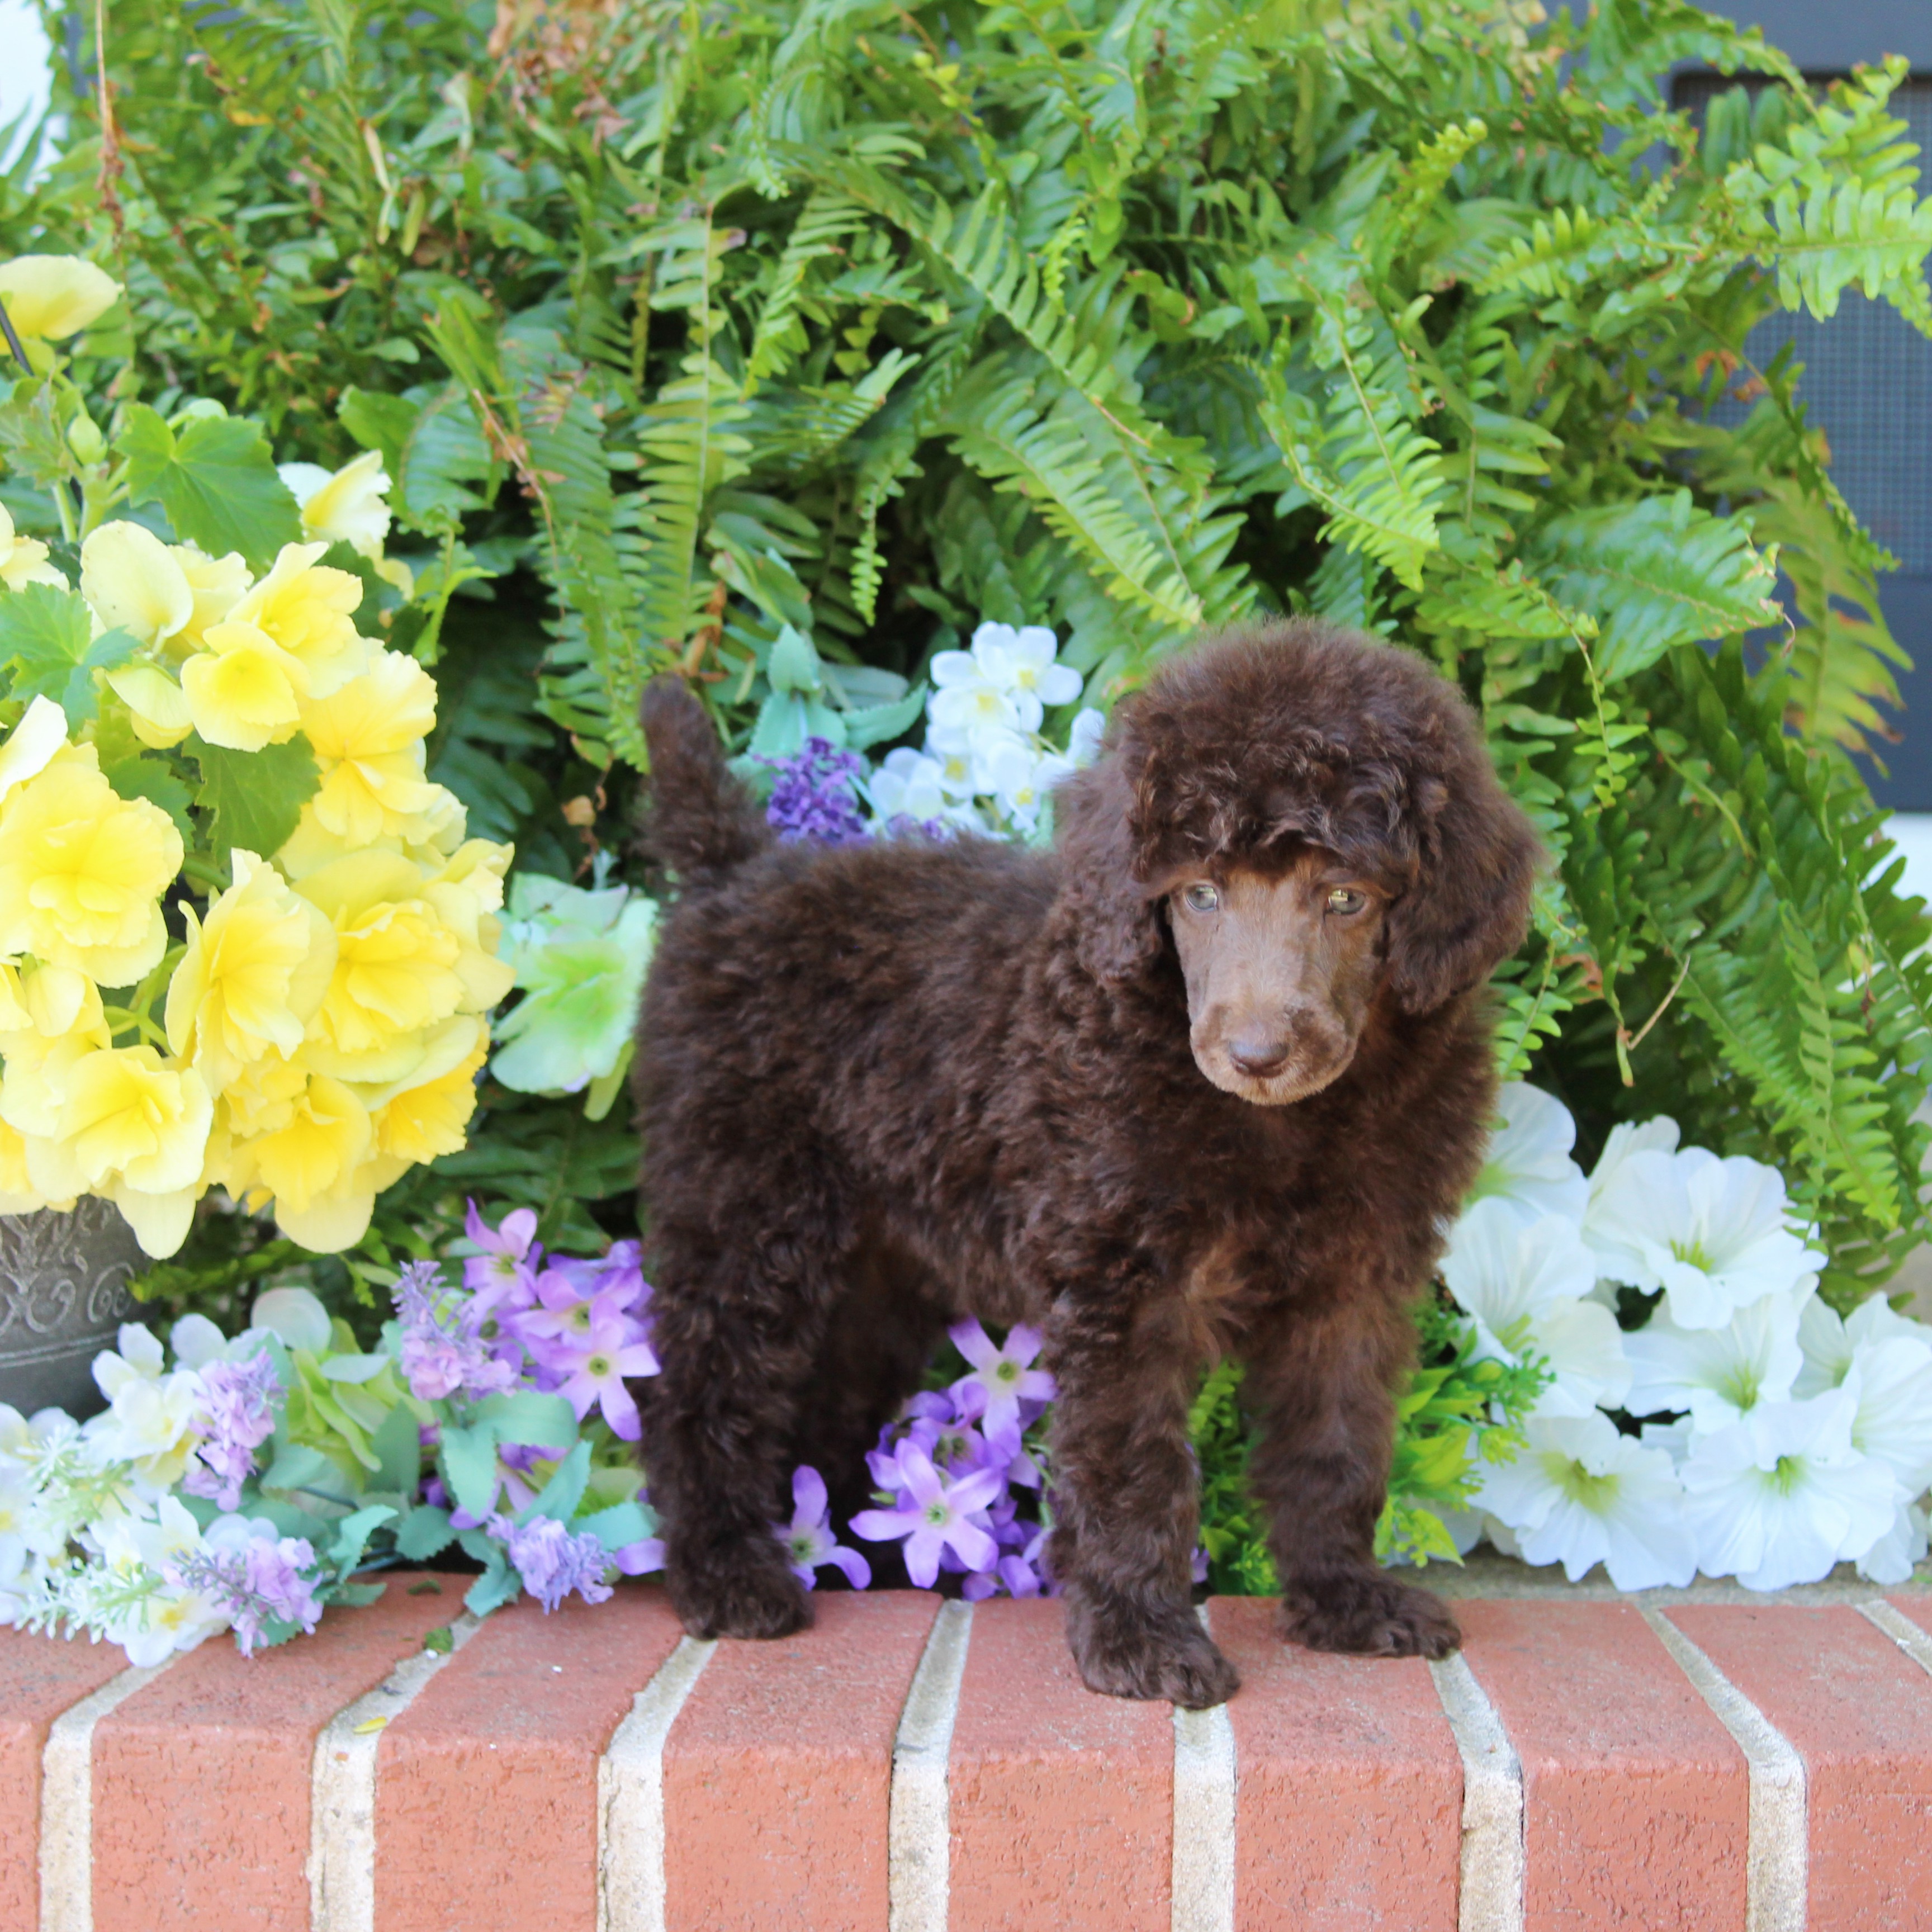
{"type": "Point", "coordinates": [741, 1303]}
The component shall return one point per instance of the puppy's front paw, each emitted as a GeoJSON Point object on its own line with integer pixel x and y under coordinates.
{"type": "Point", "coordinates": [1368, 1615]}
{"type": "Point", "coordinates": [746, 1591]}
{"type": "Point", "coordinates": [1162, 1655]}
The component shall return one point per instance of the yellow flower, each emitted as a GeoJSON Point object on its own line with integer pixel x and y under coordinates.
{"type": "Point", "coordinates": [54, 296]}
{"type": "Point", "coordinates": [31, 745]}
{"type": "Point", "coordinates": [158, 707]}
{"type": "Point", "coordinates": [368, 740]}
{"type": "Point", "coordinates": [427, 1117]}
{"type": "Point", "coordinates": [261, 1097]}
{"type": "Point", "coordinates": [82, 872]}
{"type": "Point", "coordinates": [23, 560]}
{"type": "Point", "coordinates": [217, 583]}
{"type": "Point", "coordinates": [345, 508]}
{"type": "Point", "coordinates": [244, 690]}
{"type": "Point", "coordinates": [395, 970]}
{"type": "Point", "coordinates": [467, 891]}
{"type": "Point", "coordinates": [18, 1194]}
{"type": "Point", "coordinates": [54, 1000]}
{"type": "Point", "coordinates": [134, 1128]}
{"type": "Point", "coordinates": [315, 1166]}
{"type": "Point", "coordinates": [34, 1086]}
{"type": "Point", "coordinates": [306, 609]}
{"type": "Point", "coordinates": [251, 976]}
{"type": "Point", "coordinates": [135, 582]}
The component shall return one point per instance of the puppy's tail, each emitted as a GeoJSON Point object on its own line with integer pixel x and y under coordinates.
{"type": "Point", "coordinates": [699, 822]}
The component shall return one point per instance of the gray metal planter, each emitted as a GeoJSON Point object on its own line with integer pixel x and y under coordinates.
{"type": "Point", "coordinates": [63, 1293]}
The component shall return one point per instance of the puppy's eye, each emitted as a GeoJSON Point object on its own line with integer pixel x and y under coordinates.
{"type": "Point", "coordinates": [1201, 898]}
{"type": "Point", "coordinates": [1345, 899]}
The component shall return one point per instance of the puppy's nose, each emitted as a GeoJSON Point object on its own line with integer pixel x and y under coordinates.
{"type": "Point", "coordinates": [1259, 1054]}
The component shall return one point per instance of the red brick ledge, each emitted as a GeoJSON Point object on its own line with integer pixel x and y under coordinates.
{"type": "Point", "coordinates": [917, 1766]}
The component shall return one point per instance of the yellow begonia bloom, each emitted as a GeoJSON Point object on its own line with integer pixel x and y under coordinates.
{"type": "Point", "coordinates": [315, 1166]}
{"type": "Point", "coordinates": [54, 296]}
{"type": "Point", "coordinates": [31, 745]}
{"type": "Point", "coordinates": [252, 976]}
{"type": "Point", "coordinates": [368, 740]}
{"type": "Point", "coordinates": [134, 582]}
{"type": "Point", "coordinates": [82, 872]}
{"type": "Point", "coordinates": [55, 1001]}
{"type": "Point", "coordinates": [217, 584]}
{"type": "Point", "coordinates": [465, 894]}
{"type": "Point", "coordinates": [158, 707]}
{"type": "Point", "coordinates": [306, 609]}
{"type": "Point", "coordinates": [346, 507]}
{"type": "Point", "coordinates": [261, 1098]}
{"type": "Point", "coordinates": [134, 1128]}
{"type": "Point", "coordinates": [18, 1194]}
{"type": "Point", "coordinates": [35, 1084]}
{"type": "Point", "coordinates": [23, 560]}
{"type": "Point", "coordinates": [244, 690]}
{"type": "Point", "coordinates": [394, 973]}
{"type": "Point", "coordinates": [427, 1117]}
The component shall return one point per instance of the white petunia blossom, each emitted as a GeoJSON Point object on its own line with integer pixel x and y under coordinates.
{"type": "Point", "coordinates": [1528, 1163]}
{"type": "Point", "coordinates": [1719, 1375]}
{"type": "Point", "coordinates": [909, 784]}
{"type": "Point", "coordinates": [1779, 1497]}
{"type": "Point", "coordinates": [1900, 1551]}
{"type": "Point", "coordinates": [1657, 1136]}
{"type": "Point", "coordinates": [1580, 1494]}
{"type": "Point", "coordinates": [1523, 1284]}
{"type": "Point", "coordinates": [1710, 1233]}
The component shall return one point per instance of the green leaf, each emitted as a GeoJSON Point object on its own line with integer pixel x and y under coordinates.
{"type": "Point", "coordinates": [530, 1421]}
{"type": "Point", "coordinates": [469, 1457]}
{"type": "Point", "coordinates": [380, 422]}
{"type": "Point", "coordinates": [498, 1585]}
{"type": "Point", "coordinates": [46, 640]}
{"type": "Point", "coordinates": [155, 780]}
{"type": "Point", "coordinates": [357, 1596]}
{"type": "Point", "coordinates": [621, 1524]}
{"type": "Point", "coordinates": [877, 722]}
{"type": "Point", "coordinates": [352, 1535]}
{"type": "Point", "coordinates": [425, 1532]}
{"type": "Point", "coordinates": [398, 1447]}
{"type": "Point", "coordinates": [443, 454]}
{"type": "Point", "coordinates": [560, 1496]}
{"type": "Point", "coordinates": [256, 797]}
{"type": "Point", "coordinates": [216, 479]}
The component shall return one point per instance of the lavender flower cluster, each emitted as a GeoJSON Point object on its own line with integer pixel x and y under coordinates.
{"type": "Point", "coordinates": [254, 1577]}
{"type": "Point", "coordinates": [237, 1416]}
{"type": "Point", "coordinates": [816, 795]}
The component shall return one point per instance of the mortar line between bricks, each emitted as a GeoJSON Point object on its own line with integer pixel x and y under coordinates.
{"type": "Point", "coordinates": [1206, 1799]}
{"type": "Point", "coordinates": [1902, 1630]}
{"type": "Point", "coordinates": [67, 1803]}
{"type": "Point", "coordinates": [630, 1796]}
{"type": "Point", "coordinates": [342, 1791]}
{"type": "Point", "coordinates": [1779, 1863]}
{"type": "Point", "coordinates": [919, 1831]}
{"type": "Point", "coordinates": [1490, 1890]}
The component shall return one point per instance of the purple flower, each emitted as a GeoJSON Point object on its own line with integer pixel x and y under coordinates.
{"type": "Point", "coordinates": [809, 1539]}
{"type": "Point", "coordinates": [641, 1558]}
{"type": "Point", "coordinates": [593, 1366]}
{"type": "Point", "coordinates": [1002, 1378]}
{"type": "Point", "coordinates": [937, 1518]}
{"type": "Point", "coordinates": [253, 1575]}
{"type": "Point", "coordinates": [552, 1562]}
{"type": "Point", "coordinates": [816, 795]}
{"type": "Point", "coordinates": [237, 1414]}
{"type": "Point", "coordinates": [443, 1350]}
{"type": "Point", "coordinates": [504, 1274]}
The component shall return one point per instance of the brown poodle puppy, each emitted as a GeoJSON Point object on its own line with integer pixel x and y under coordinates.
{"type": "Point", "coordinates": [1212, 1075]}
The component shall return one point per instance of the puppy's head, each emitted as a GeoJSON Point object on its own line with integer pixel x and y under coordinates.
{"type": "Point", "coordinates": [1312, 816]}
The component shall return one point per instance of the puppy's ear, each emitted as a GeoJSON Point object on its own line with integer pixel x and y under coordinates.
{"type": "Point", "coordinates": [1118, 934]}
{"type": "Point", "coordinates": [1469, 906]}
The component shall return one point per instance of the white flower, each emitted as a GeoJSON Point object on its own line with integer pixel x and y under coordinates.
{"type": "Point", "coordinates": [344, 507]}
{"type": "Point", "coordinates": [164, 1618]}
{"type": "Point", "coordinates": [1528, 1163]}
{"type": "Point", "coordinates": [1083, 738]}
{"type": "Point", "coordinates": [1900, 1551]}
{"type": "Point", "coordinates": [909, 784]}
{"type": "Point", "coordinates": [1021, 663]}
{"type": "Point", "coordinates": [965, 699]}
{"type": "Point", "coordinates": [1718, 1374]}
{"type": "Point", "coordinates": [1885, 1360]}
{"type": "Point", "coordinates": [1524, 1284]}
{"type": "Point", "coordinates": [150, 1420]}
{"type": "Point", "coordinates": [1657, 1136]}
{"type": "Point", "coordinates": [1022, 778]}
{"type": "Point", "coordinates": [1779, 1497]}
{"type": "Point", "coordinates": [952, 751]}
{"type": "Point", "coordinates": [1581, 1494]}
{"type": "Point", "coordinates": [1710, 1233]}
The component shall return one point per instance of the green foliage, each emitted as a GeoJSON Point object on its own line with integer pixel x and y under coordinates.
{"type": "Point", "coordinates": [216, 480]}
{"type": "Point", "coordinates": [256, 797]}
{"type": "Point", "coordinates": [866, 321]}
{"type": "Point", "coordinates": [47, 649]}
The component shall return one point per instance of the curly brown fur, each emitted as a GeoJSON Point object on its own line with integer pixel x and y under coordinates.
{"type": "Point", "coordinates": [886, 1085]}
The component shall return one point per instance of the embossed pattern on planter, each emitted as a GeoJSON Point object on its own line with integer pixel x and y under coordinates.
{"type": "Point", "coordinates": [63, 1294]}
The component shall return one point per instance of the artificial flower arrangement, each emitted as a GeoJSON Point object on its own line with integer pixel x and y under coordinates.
{"type": "Point", "coordinates": [1741, 1428]}
{"type": "Point", "coordinates": [244, 942]}
{"type": "Point", "coordinates": [252, 1481]}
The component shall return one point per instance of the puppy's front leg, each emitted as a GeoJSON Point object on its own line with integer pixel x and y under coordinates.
{"type": "Point", "coordinates": [1323, 1378]}
{"type": "Point", "coordinates": [1125, 1496]}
